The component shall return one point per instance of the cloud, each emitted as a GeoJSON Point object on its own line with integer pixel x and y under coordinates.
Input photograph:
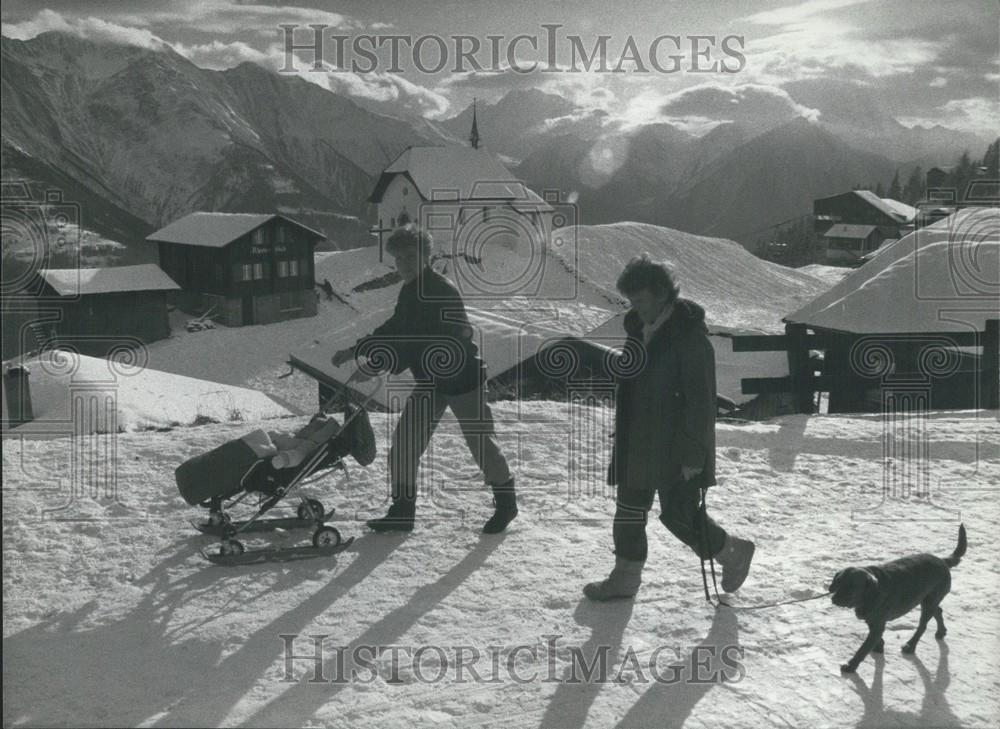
{"type": "Point", "coordinates": [979, 115]}
{"type": "Point", "coordinates": [90, 28]}
{"type": "Point", "coordinates": [795, 14]}
{"type": "Point", "coordinates": [378, 86]}
{"type": "Point", "coordinates": [762, 106]}
{"type": "Point", "coordinates": [226, 17]}
{"type": "Point", "coordinates": [220, 56]}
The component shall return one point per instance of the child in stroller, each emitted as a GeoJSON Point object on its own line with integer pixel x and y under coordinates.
{"type": "Point", "coordinates": [271, 464]}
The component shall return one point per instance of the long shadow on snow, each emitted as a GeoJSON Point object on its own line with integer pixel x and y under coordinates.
{"type": "Point", "coordinates": [297, 705]}
{"type": "Point", "coordinates": [571, 701]}
{"type": "Point", "coordinates": [933, 712]}
{"type": "Point", "coordinates": [218, 688]}
{"type": "Point", "coordinates": [669, 704]}
{"type": "Point", "coordinates": [58, 673]}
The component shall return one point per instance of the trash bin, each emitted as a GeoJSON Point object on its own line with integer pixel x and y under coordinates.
{"type": "Point", "coordinates": [18, 391]}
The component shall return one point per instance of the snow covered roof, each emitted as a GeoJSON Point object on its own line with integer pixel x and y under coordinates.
{"type": "Point", "coordinates": [461, 173]}
{"type": "Point", "coordinates": [889, 207]}
{"type": "Point", "coordinates": [79, 281]}
{"type": "Point", "coordinates": [216, 230]}
{"type": "Point", "coordinates": [940, 278]}
{"type": "Point", "coordinates": [848, 230]}
{"type": "Point", "coordinates": [907, 211]}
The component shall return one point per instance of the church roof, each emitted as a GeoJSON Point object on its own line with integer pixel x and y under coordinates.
{"type": "Point", "coordinates": [452, 173]}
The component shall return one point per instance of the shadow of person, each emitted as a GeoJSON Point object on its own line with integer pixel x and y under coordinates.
{"type": "Point", "coordinates": [220, 687]}
{"type": "Point", "coordinates": [297, 705]}
{"type": "Point", "coordinates": [934, 710]}
{"type": "Point", "coordinates": [576, 692]}
{"type": "Point", "coordinates": [681, 685]}
{"type": "Point", "coordinates": [63, 671]}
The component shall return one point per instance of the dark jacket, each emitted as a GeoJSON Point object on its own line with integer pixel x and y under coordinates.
{"type": "Point", "coordinates": [665, 402]}
{"type": "Point", "coordinates": [428, 333]}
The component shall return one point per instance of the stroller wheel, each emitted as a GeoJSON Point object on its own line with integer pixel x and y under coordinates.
{"type": "Point", "coordinates": [311, 510]}
{"type": "Point", "coordinates": [326, 536]}
{"type": "Point", "coordinates": [218, 518]}
{"type": "Point", "coordinates": [231, 548]}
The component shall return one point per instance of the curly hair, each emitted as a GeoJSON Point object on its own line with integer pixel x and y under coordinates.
{"type": "Point", "coordinates": [641, 273]}
{"type": "Point", "coordinates": [409, 236]}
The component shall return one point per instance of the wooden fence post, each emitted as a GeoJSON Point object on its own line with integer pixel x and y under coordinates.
{"type": "Point", "coordinates": [799, 367]}
{"type": "Point", "coordinates": [989, 367]}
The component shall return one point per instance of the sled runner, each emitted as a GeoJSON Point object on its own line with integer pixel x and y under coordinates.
{"type": "Point", "coordinates": [266, 468]}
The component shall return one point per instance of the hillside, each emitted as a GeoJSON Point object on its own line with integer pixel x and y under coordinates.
{"type": "Point", "coordinates": [156, 136]}
{"type": "Point", "coordinates": [714, 185]}
{"type": "Point", "coordinates": [112, 618]}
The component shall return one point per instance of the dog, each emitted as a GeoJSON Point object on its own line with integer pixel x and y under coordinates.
{"type": "Point", "coordinates": [880, 593]}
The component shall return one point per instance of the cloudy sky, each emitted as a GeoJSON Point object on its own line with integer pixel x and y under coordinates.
{"type": "Point", "coordinates": [926, 61]}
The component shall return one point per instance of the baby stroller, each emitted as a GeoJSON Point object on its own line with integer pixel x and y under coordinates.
{"type": "Point", "coordinates": [270, 466]}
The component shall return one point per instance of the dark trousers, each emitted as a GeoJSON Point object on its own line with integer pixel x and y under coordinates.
{"type": "Point", "coordinates": [423, 410]}
{"type": "Point", "coordinates": [679, 512]}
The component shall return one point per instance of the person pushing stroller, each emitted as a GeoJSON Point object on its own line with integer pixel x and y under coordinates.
{"type": "Point", "coordinates": [429, 333]}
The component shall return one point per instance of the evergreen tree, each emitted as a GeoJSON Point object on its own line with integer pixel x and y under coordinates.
{"type": "Point", "coordinates": [913, 190]}
{"type": "Point", "coordinates": [991, 161]}
{"type": "Point", "coordinates": [895, 191]}
{"type": "Point", "coordinates": [879, 191]}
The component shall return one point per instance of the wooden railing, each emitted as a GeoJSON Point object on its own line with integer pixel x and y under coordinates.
{"type": "Point", "coordinates": [803, 381]}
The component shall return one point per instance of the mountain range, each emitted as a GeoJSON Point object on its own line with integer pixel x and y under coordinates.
{"type": "Point", "coordinates": [140, 137]}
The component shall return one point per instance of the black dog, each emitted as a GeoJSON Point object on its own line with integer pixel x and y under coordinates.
{"type": "Point", "coordinates": [881, 593]}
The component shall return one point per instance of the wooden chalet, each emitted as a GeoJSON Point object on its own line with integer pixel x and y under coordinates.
{"type": "Point", "coordinates": [98, 309]}
{"type": "Point", "coordinates": [247, 268]}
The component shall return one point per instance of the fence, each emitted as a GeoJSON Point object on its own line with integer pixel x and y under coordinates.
{"type": "Point", "coordinates": [853, 362]}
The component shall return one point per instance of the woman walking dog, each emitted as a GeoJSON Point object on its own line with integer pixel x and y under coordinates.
{"type": "Point", "coordinates": [665, 433]}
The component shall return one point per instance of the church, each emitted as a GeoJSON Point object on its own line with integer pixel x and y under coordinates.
{"type": "Point", "coordinates": [464, 197]}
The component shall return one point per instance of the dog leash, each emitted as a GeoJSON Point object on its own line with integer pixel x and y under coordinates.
{"type": "Point", "coordinates": [719, 602]}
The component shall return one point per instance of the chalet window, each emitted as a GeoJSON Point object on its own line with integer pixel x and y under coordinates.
{"type": "Point", "coordinates": [282, 269]}
{"type": "Point", "coordinates": [287, 302]}
{"type": "Point", "coordinates": [293, 267]}
{"type": "Point", "coordinates": [258, 237]}
{"type": "Point", "coordinates": [258, 271]}
{"type": "Point", "coordinates": [282, 234]}
{"type": "Point", "coordinates": [247, 272]}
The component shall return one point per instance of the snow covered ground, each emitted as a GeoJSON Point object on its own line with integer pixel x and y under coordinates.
{"type": "Point", "coordinates": [71, 393]}
{"type": "Point", "coordinates": [112, 618]}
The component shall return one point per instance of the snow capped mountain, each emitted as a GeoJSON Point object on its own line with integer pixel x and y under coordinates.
{"type": "Point", "coordinates": [158, 137]}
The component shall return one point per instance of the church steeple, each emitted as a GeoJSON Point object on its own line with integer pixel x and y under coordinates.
{"type": "Point", "coordinates": [474, 135]}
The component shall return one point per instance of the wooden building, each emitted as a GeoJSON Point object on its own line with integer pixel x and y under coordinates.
{"type": "Point", "coordinates": [905, 326]}
{"type": "Point", "coordinates": [247, 268]}
{"type": "Point", "coordinates": [98, 309]}
{"type": "Point", "coordinates": [846, 243]}
{"type": "Point", "coordinates": [853, 210]}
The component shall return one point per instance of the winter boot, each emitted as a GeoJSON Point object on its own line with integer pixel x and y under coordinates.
{"type": "Point", "coordinates": [505, 503]}
{"type": "Point", "coordinates": [623, 581]}
{"type": "Point", "coordinates": [399, 518]}
{"type": "Point", "coordinates": [735, 557]}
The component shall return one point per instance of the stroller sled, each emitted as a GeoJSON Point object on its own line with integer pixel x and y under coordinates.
{"type": "Point", "coordinates": [270, 465]}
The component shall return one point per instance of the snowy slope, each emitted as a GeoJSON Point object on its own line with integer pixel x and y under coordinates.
{"type": "Point", "coordinates": [945, 277]}
{"type": "Point", "coordinates": [71, 392]}
{"type": "Point", "coordinates": [111, 617]}
{"type": "Point", "coordinates": [737, 289]}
